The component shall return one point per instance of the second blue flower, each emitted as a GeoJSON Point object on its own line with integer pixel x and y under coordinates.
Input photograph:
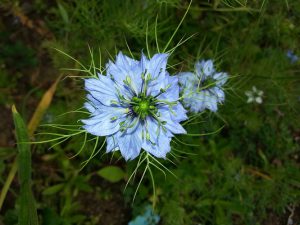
{"type": "Point", "coordinates": [202, 89]}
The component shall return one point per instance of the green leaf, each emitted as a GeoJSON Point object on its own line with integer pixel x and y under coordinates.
{"type": "Point", "coordinates": [111, 173]}
{"type": "Point", "coordinates": [27, 212]}
{"type": "Point", "coordinates": [6, 153]}
{"type": "Point", "coordinates": [63, 13]}
{"type": "Point", "coordinates": [53, 189]}
{"type": "Point", "coordinates": [50, 217]}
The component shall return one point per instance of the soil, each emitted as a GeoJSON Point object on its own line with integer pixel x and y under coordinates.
{"type": "Point", "coordinates": [110, 210]}
{"type": "Point", "coordinates": [288, 218]}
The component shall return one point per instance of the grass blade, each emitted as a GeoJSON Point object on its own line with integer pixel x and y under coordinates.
{"type": "Point", "coordinates": [27, 211]}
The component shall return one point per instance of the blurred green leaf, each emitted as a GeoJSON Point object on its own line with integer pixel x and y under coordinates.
{"type": "Point", "coordinates": [50, 217]}
{"type": "Point", "coordinates": [81, 182]}
{"type": "Point", "coordinates": [7, 152]}
{"type": "Point", "coordinates": [10, 217]}
{"type": "Point", "coordinates": [53, 189]}
{"type": "Point", "coordinates": [112, 173]}
{"type": "Point", "coordinates": [63, 13]}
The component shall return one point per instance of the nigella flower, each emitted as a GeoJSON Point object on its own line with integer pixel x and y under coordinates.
{"type": "Point", "coordinates": [254, 95]}
{"type": "Point", "coordinates": [291, 56]}
{"type": "Point", "coordinates": [148, 218]}
{"type": "Point", "coordinates": [202, 89]}
{"type": "Point", "coordinates": [135, 106]}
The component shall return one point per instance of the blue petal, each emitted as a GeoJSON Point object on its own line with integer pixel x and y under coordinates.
{"type": "Point", "coordinates": [133, 124]}
{"type": "Point", "coordinates": [211, 103]}
{"type": "Point", "coordinates": [160, 80]}
{"type": "Point", "coordinates": [151, 126]}
{"type": "Point", "coordinates": [159, 145]}
{"type": "Point", "coordinates": [197, 102]}
{"type": "Point", "coordinates": [157, 64]}
{"type": "Point", "coordinates": [89, 107]}
{"type": "Point", "coordinates": [187, 79]}
{"type": "Point", "coordinates": [100, 128]}
{"type": "Point", "coordinates": [130, 144]}
{"type": "Point", "coordinates": [172, 93]}
{"type": "Point", "coordinates": [119, 70]}
{"type": "Point", "coordinates": [101, 123]}
{"type": "Point", "coordinates": [289, 54]}
{"type": "Point", "coordinates": [111, 144]}
{"type": "Point", "coordinates": [144, 63]}
{"type": "Point", "coordinates": [155, 85]}
{"type": "Point", "coordinates": [139, 221]}
{"type": "Point", "coordinates": [172, 125]}
{"type": "Point", "coordinates": [93, 101]}
{"type": "Point", "coordinates": [117, 73]}
{"type": "Point", "coordinates": [179, 113]}
{"type": "Point", "coordinates": [126, 67]}
{"type": "Point", "coordinates": [102, 89]}
{"type": "Point", "coordinates": [220, 78]}
{"type": "Point", "coordinates": [125, 62]}
{"type": "Point", "coordinates": [136, 75]}
{"type": "Point", "coordinates": [294, 59]}
{"type": "Point", "coordinates": [219, 93]}
{"type": "Point", "coordinates": [204, 68]}
{"type": "Point", "coordinates": [160, 148]}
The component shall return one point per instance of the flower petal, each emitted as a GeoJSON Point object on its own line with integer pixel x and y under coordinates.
{"type": "Point", "coordinates": [89, 107]}
{"type": "Point", "coordinates": [204, 69]}
{"type": "Point", "coordinates": [126, 68]}
{"type": "Point", "coordinates": [159, 143]}
{"type": "Point", "coordinates": [104, 121]}
{"type": "Point", "coordinates": [199, 99]}
{"type": "Point", "coordinates": [179, 113]}
{"type": "Point", "coordinates": [250, 99]}
{"type": "Point", "coordinates": [248, 93]}
{"type": "Point", "coordinates": [100, 128]}
{"type": "Point", "coordinates": [157, 64]}
{"type": "Point", "coordinates": [111, 144]}
{"type": "Point", "coordinates": [130, 144]}
{"type": "Point", "coordinates": [258, 100]}
{"type": "Point", "coordinates": [144, 63]}
{"type": "Point", "coordinates": [187, 79]}
{"type": "Point", "coordinates": [260, 93]}
{"type": "Point", "coordinates": [211, 103]}
{"type": "Point", "coordinates": [121, 67]}
{"type": "Point", "coordinates": [102, 89]}
{"type": "Point", "coordinates": [220, 78]}
{"type": "Point", "coordinates": [219, 94]}
{"type": "Point", "coordinates": [172, 92]}
{"type": "Point", "coordinates": [172, 125]}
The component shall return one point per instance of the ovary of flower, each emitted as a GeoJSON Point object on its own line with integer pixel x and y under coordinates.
{"type": "Point", "coordinates": [135, 105]}
{"type": "Point", "coordinates": [254, 95]}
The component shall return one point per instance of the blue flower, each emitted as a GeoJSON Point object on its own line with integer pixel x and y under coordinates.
{"type": "Point", "coordinates": [202, 89]}
{"type": "Point", "coordinates": [135, 106]}
{"type": "Point", "coordinates": [148, 218]}
{"type": "Point", "coordinates": [291, 56]}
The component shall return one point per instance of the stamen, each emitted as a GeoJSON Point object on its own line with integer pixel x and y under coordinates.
{"type": "Point", "coordinates": [113, 118]}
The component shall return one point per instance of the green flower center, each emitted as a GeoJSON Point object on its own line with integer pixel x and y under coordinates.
{"type": "Point", "coordinates": [143, 106]}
